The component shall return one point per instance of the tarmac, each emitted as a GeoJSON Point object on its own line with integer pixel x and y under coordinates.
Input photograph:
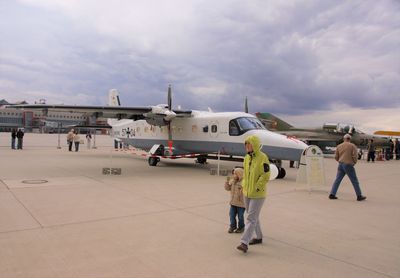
{"type": "Point", "coordinates": [60, 216]}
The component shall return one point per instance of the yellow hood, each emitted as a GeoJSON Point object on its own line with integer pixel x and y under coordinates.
{"type": "Point", "coordinates": [255, 142]}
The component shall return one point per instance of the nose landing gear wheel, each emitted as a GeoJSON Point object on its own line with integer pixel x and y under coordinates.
{"type": "Point", "coordinates": [153, 160]}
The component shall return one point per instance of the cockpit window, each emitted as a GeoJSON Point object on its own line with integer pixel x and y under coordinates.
{"type": "Point", "coordinates": [241, 125]}
{"type": "Point", "coordinates": [346, 128]}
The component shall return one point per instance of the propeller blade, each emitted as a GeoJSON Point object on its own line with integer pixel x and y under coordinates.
{"type": "Point", "coordinates": [246, 107]}
{"type": "Point", "coordinates": [169, 98]}
{"type": "Point", "coordinates": [170, 142]}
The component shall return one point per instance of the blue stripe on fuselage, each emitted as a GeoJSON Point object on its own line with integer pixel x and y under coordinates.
{"type": "Point", "coordinates": [182, 147]}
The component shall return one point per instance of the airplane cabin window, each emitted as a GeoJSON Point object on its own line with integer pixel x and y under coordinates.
{"type": "Point", "coordinates": [214, 128]}
{"type": "Point", "coordinates": [233, 129]}
{"type": "Point", "coordinates": [205, 129]}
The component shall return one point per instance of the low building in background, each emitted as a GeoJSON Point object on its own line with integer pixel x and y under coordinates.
{"type": "Point", "coordinates": [43, 121]}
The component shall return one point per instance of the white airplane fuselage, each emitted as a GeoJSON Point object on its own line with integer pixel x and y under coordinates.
{"type": "Point", "coordinates": [206, 133]}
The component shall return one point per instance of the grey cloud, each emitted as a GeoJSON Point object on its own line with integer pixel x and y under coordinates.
{"type": "Point", "coordinates": [288, 58]}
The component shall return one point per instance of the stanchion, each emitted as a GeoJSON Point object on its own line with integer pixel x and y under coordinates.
{"type": "Point", "coordinates": [111, 170]}
{"type": "Point", "coordinates": [218, 162]}
{"type": "Point", "coordinates": [94, 140]}
{"type": "Point", "coordinates": [59, 134]}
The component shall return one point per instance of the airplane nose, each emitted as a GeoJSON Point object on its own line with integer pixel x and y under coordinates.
{"type": "Point", "coordinates": [282, 147]}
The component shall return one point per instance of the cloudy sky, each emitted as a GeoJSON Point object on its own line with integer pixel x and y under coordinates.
{"type": "Point", "coordinates": [308, 62]}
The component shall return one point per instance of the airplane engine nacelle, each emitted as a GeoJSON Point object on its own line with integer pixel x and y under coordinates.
{"type": "Point", "coordinates": [156, 121]}
{"type": "Point", "coordinates": [159, 116]}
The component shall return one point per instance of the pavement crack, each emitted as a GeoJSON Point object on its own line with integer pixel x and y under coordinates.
{"type": "Point", "coordinates": [26, 208]}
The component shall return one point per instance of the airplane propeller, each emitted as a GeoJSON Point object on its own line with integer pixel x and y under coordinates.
{"type": "Point", "coordinates": [246, 107]}
{"type": "Point", "coordinates": [170, 142]}
{"type": "Point", "coordinates": [169, 98]}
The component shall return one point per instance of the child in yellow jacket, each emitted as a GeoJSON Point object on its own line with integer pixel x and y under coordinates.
{"type": "Point", "coordinates": [234, 185]}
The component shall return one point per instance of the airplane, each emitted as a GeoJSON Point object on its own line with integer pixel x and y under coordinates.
{"type": "Point", "coordinates": [171, 133]}
{"type": "Point", "coordinates": [327, 137]}
{"type": "Point", "coordinates": [390, 133]}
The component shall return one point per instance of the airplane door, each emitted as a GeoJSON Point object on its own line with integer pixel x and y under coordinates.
{"type": "Point", "coordinates": [213, 129]}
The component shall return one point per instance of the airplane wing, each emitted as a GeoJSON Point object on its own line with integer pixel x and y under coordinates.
{"type": "Point", "coordinates": [316, 139]}
{"type": "Point", "coordinates": [309, 136]}
{"type": "Point", "coordinates": [90, 126]}
{"type": "Point", "coordinates": [118, 112]}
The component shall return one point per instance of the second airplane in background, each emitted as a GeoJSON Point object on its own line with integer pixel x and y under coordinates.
{"type": "Point", "coordinates": [330, 135]}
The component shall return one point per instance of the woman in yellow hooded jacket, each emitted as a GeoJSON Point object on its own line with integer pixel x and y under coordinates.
{"type": "Point", "coordinates": [255, 178]}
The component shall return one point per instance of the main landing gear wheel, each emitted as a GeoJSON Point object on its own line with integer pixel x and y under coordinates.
{"type": "Point", "coordinates": [153, 160]}
{"type": "Point", "coordinates": [201, 160]}
{"type": "Point", "coordinates": [281, 173]}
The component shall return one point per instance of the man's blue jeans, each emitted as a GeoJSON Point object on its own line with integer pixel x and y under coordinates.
{"type": "Point", "coordinates": [232, 215]}
{"type": "Point", "coordinates": [346, 169]}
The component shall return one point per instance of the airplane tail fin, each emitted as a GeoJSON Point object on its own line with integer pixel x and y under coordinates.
{"type": "Point", "coordinates": [272, 122]}
{"type": "Point", "coordinates": [113, 98]}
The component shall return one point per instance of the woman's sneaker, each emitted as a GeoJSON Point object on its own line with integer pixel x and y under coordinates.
{"type": "Point", "coordinates": [239, 230]}
{"type": "Point", "coordinates": [231, 230]}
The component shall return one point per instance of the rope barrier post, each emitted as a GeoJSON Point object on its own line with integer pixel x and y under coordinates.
{"type": "Point", "coordinates": [94, 140]}
{"type": "Point", "coordinates": [218, 163]}
{"type": "Point", "coordinates": [59, 142]}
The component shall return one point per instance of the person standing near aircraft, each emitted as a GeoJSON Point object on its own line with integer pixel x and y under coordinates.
{"type": "Point", "coordinates": [13, 137]}
{"type": "Point", "coordinates": [255, 177]}
{"type": "Point", "coordinates": [371, 150]}
{"type": "Point", "coordinates": [20, 138]}
{"type": "Point", "coordinates": [77, 141]}
{"type": "Point", "coordinates": [397, 148]}
{"type": "Point", "coordinates": [391, 149]}
{"type": "Point", "coordinates": [234, 185]}
{"type": "Point", "coordinates": [88, 140]}
{"type": "Point", "coordinates": [70, 139]}
{"type": "Point", "coordinates": [346, 155]}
